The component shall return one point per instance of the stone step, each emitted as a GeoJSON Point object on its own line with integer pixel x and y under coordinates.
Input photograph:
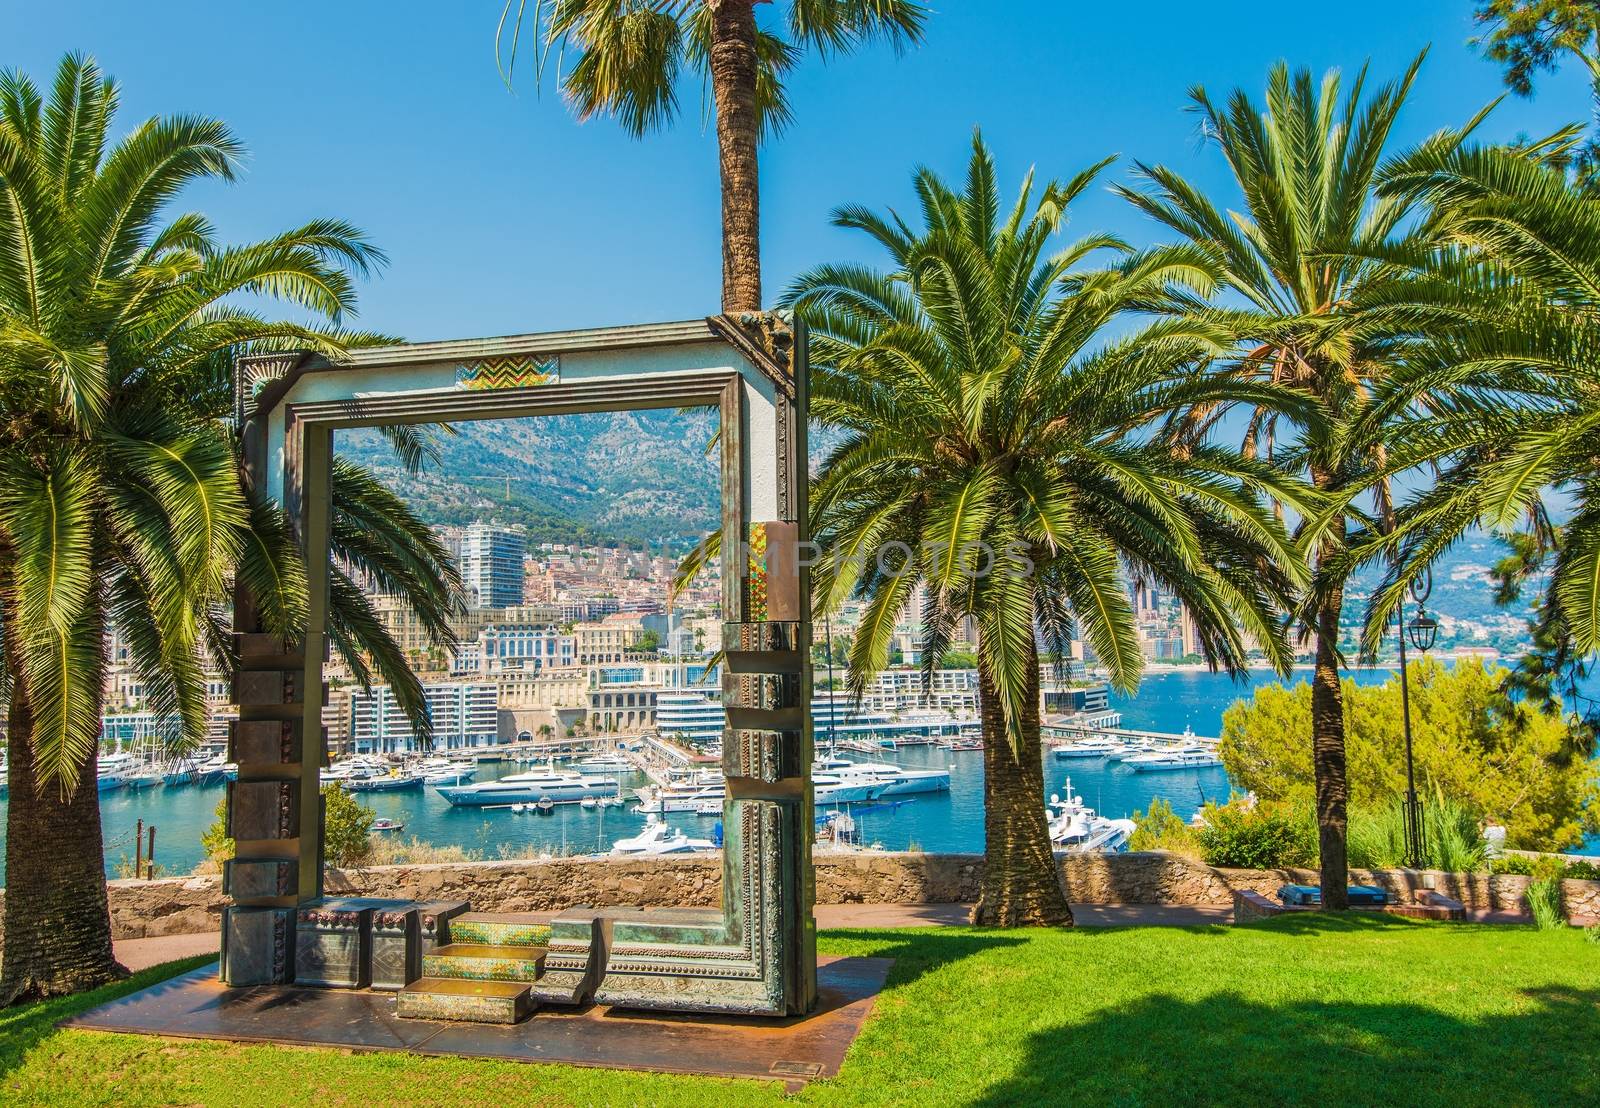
{"type": "Point", "coordinates": [484, 962]}
{"type": "Point", "coordinates": [500, 929]}
{"type": "Point", "coordinates": [433, 998]}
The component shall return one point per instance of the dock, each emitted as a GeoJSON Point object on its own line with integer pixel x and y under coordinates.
{"type": "Point", "coordinates": [1072, 731]}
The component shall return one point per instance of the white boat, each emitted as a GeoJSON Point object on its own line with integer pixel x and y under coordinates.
{"type": "Point", "coordinates": [660, 838]}
{"type": "Point", "coordinates": [602, 764]}
{"type": "Point", "coordinates": [589, 802]}
{"type": "Point", "coordinates": [897, 780]}
{"type": "Point", "coordinates": [180, 771]}
{"type": "Point", "coordinates": [528, 788]}
{"type": "Point", "coordinates": [442, 771]}
{"type": "Point", "coordinates": [1091, 748]}
{"type": "Point", "coordinates": [828, 788]}
{"type": "Point", "coordinates": [147, 778]}
{"type": "Point", "coordinates": [1189, 757]}
{"type": "Point", "coordinates": [657, 802]}
{"type": "Point", "coordinates": [393, 781]}
{"type": "Point", "coordinates": [1080, 830]}
{"type": "Point", "coordinates": [214, 769]}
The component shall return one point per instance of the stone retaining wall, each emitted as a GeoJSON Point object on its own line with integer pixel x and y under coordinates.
{"type": "Point", "coordinates": [189, 905]}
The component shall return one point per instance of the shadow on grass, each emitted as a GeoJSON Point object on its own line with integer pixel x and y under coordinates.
{"type": "Point", "coordinates": [920, 950]}
{"type": "Point", "coordinates": [23, 1026]}
{"type": "Point", "coordinates": [1228, 1049]}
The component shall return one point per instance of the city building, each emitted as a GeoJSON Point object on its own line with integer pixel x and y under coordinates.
{"type": "Point", "coordinates": [464, 714]}
{"type": "Point", "coordinates": [490, 561]}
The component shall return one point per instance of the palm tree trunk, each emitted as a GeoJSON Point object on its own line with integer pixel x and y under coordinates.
{"type": "Point", "coordinates": [57, 920]}
{"type": "Point", "coordinates": [733, 90]}
{"type": "Point", "coordinates": [1021, 881]}
{"type": "Point", "coordinates": [1327, 753]}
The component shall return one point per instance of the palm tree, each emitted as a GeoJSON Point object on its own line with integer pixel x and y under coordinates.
{"type": "Point", "coordinates": [1529, 416]}
{"type": "Point", "coordinates": [999, 457]}
{"type": "Point", "coordinates": [631, 54]}
{"type": "Point", "coordinates": [1321, 312]}
{"type": "Point", "coordinates": [120, 501]}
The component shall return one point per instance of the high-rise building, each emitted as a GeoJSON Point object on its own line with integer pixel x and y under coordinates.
{"type": "Point", "coordinates": [491, 565]}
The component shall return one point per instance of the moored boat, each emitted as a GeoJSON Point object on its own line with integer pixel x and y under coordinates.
{"type": "Point", "coordinates": [660, 838]}
{"type": "Point", "coordinates": [528, 788]}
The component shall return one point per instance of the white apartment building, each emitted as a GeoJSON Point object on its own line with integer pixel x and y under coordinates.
{"type": "Point", "coordinates": [491, 565]}
{"type": "Point", "coordinates": [464, 714]}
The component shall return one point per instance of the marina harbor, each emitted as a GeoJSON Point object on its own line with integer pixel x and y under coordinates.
{"type": "Point", "coordinates": [913, 782]}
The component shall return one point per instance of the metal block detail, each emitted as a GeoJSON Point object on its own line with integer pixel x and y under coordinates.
{"type": "Point", "coordinates": [574, 957]}
{"type": "Point", "coordinates": [265, 741]}
{"type": "Point", "coordinates": [333, 944]}
{"type": "Point", "coordinates": [396, 947]}
{"type": "Point", "coordinates": [263, 809]}
{"type": "Point", "coordinates": [775, 636]}
{"type": "Point", "coordinates": [768, 756]}
{"type": "Point", "coordinates": [762, 692]}
{"type": "Point", "coordinates": [254, 878]}
{"type": "Point", "coordinates": [268, 687]}
{"type": "Point", "coordinates": [434, 920]}
{"type": "Point", "coordinates": [257, 946]}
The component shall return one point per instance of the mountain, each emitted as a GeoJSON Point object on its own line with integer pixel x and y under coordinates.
{"type": "Point", "coordinates": [642, 478]}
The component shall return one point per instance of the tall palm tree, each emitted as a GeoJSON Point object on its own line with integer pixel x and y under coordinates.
{"type": "Point", "coordinates": [120, 498]}
{"type": "Point", "coordinates": [1000, 456]}
{"type": "Point", "coordinates": [1523, 364]}
{"type": "Point", "coordinates": [1319, 311]}
{"type": "Point", "coordinates": [630, 56]}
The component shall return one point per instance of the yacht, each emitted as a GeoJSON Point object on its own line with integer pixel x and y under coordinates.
{"type": "Point", "coordinates": [602, 764]}
{"type": "Point", "coordinates": [1090, 748]}
{"type": "Point", "coordinates": [528, 788]}
{"type": "Point", "coordinates": [392, 781]}
{"type": "Point", "coordinates": [1079, 830]}
{"type": "Point", "coordinates": [180, 771]}
{"type": "Point", "coordinates": [705, 799]}
{"type": "Point", "coordinates": [113, 770]}
{"type": "Point", "coordinates": [828, 788]}
{"type": "Point", "coordinates": [1186, 757]}
{"type": "Point", "coordinates": [442, 771]}
{"type": "Point", "coordinates": [214, 769]}
{"type": "Point", "coordinates": [142, 777]}
{"type": "Point", "coordinates": [899, 780]}
{"type": "Point", "coordinates": [660, 838]}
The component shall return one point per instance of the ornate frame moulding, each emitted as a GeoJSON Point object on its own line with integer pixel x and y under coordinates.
{"type": "Point", "coordinates": [757, 955]}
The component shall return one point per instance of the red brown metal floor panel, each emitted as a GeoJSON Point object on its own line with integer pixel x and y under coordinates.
{"type": "Point", "coordinates": [197, 1006]}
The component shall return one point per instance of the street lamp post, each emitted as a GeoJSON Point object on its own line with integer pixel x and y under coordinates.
{"type": "Point", "coordinates": [1422, 630]}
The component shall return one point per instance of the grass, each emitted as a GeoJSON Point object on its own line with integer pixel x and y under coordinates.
{"type": "Point", "coordinates": [1307, 1008]}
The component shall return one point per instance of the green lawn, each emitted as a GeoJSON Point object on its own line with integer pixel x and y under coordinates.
{"type": "Point", "coordinates": [1307, 1008]}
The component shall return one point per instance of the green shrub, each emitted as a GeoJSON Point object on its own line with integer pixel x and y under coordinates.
{"type": "Point", "coordinates": [346, 830]}
{"type": "Point", "coordinates": [346, 827]}
{"type": "Point", "coordinates": [1159, 828]}
{"type": "Point", "coordinates": [214, 839]}
{"type": "Point", "coordinates": [1526, 864]}
{"type": "Point", "coordinates": [1451, 838]}
{"type": "Point", "coordinates": [1544, 894]}
{"type": "Point", "coordinates": [1265, 836]}
{"type": "Point", "coordinates": [1544, 901]}
{"type": "Point", "coordinates": [1592, 933]}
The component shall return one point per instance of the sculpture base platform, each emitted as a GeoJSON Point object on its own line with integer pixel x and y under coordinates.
{"type": "Point", "coordinates": [196, 1005]}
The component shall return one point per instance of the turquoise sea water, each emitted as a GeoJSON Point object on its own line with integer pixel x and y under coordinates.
{"type": "Point", "coordinates": [950, 821]}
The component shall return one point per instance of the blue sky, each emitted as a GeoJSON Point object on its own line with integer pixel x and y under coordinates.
{"type": "Point", "coordinates": [502, 214]}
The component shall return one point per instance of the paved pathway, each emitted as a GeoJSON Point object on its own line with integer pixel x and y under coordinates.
{"type": "Point", "coordinates": [138, 954]}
